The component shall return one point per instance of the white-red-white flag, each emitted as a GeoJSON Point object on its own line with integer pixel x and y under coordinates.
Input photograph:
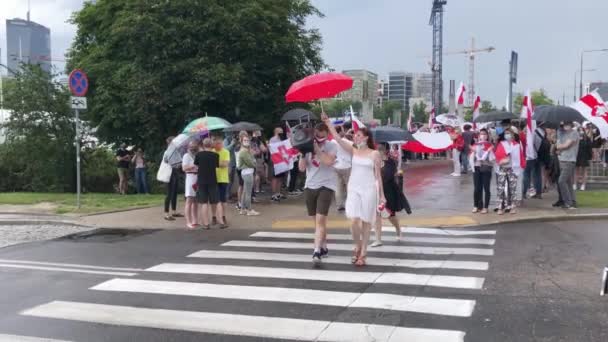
{"type": "Point", "coordinates": [356, 124]}
{"type": "Point", "coordinates": [593, 108]}
{"type": "Point", "coordinates": [282, 155]}
{"type": "Point", "coordinates": [432, 118]}
{"type": "Point", "coordinates": [527, 109]}
{"type": "Point", "coordinates": [476, 107]}
{"type": "Point", "coordinates": [460, 94]}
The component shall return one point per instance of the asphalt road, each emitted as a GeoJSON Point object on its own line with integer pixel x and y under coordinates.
{"type": "Point", "coordinates": [527, 282]}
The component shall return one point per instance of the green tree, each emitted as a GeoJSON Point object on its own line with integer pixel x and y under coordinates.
{"type": "Point", "coordinates": [386, 111]}
{"type": "Point", "coordinates": [39, 152]}
{"type": "Point", "coordinates": [420, 114]}
{"type": "Point", "coordinates": [539, 97]}
{"type": "Point", "coordinates": [152, 63]}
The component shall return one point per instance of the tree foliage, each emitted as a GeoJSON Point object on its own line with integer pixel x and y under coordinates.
{"type": "Point", "coordinates": [152, 63]}
{"type": "Point", "coordinates": [539, 97]}
{"type": "Point", "coordinates": [386, 111]}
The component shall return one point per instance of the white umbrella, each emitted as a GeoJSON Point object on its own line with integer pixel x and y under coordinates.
{"type": "Point", "coordinates": [449, 120]}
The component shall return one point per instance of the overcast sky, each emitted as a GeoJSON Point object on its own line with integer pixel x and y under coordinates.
{"type": "Point", "coordinates": [387, 35]}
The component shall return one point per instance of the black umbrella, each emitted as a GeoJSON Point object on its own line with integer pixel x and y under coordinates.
{"type": "Point", "coordinates": [557, 114]}
{"type": "Point", "coordinates": [495, 116]}
{"type": "Point", "coordinates": [243, 126]}
{"type": "Point", "coordinates": [298, 114]}
{"type": "Point", "coordinates": [390, 133]}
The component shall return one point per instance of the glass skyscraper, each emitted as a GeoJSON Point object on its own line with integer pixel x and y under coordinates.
{"type": "Point", "coordinates": [27, 42]}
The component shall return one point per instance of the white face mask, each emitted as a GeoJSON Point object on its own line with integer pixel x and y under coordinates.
{"type": "Point", "coordinates": [567, 127]}
{"type": "Point", "coordinates": [483, 138]}
{"type": "Point", "coordinates": [246, 143]}
{"type": "Point", "coordinates": [508, 137]}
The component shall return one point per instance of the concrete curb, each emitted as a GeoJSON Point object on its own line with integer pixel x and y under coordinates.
{"type": "Point", "coordinates": [17, 222]}
{"type": "Point", "coordinates": [571, 217]}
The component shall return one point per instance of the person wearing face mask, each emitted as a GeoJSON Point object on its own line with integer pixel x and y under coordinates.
{"type": "Point", "coordinates": [508, 152]}
{"type": "Point", "coordinates": [247, 167]}
{"type": "Point", "coordinates": [483, 161]}
{"type": "Point", "coordinates": [567, 150]}
{"type": "Point", "coordinates": [320, 185]}
{"type": "Point", "coordinates": [365, 190]}
{"type": "Point", "coordinates": [191, 170]}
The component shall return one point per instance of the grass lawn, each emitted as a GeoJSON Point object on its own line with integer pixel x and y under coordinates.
{"type": "Point", "coordinates": [90, 203]}
{"type": "Point", "coordinates": [592, 199]}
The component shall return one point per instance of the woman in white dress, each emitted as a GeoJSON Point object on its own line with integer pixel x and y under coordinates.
{"type": "Point", "coordinates": [191, 171]}
{"type": "Point", "coordinates": [364, 187]}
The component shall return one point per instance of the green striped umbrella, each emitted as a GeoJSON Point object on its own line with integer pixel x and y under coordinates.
{"type": "Point", "coordinates": [205, 124]}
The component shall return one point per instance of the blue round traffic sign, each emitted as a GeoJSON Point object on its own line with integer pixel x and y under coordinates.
{"type": "Point", "coordinates": [78, 82]}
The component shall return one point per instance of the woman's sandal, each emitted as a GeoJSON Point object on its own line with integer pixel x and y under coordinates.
{"type": "Point", "coordinates": [355, 256]}
{"type": "Point", "coordinates": [361, 261]}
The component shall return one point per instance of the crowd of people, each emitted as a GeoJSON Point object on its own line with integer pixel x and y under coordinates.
{"type": "Point", "coordinates": [557, 156]}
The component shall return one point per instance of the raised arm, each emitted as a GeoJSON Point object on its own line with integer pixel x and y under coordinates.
{"type": "Point", "coordinates": [345, 144]}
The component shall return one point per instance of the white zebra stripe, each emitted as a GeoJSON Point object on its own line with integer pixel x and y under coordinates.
{"type": "Point", "coordinates": [289, 235]}
{"type": "Point", "coordinates": [346, 247]}
{"type": "Point", "coordinates": [437, 306]}
{"type": "Point", "coordinates": [372, 261]}
{"type": "Point", "coordinates": [242, 325]}
{"type": "Point", "coordinates": [440, 231]}
{"type": "Point", "coordinates": [323, 275]}
{"type": "Point", "coordinates": [19, 338]}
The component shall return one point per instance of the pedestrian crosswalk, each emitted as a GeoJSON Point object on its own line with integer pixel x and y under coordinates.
{"type": "Point", "coordinates": [271, 291]}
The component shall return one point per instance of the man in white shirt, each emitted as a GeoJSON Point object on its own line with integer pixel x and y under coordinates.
{"type": "Point", "coordinates": [342, 166]}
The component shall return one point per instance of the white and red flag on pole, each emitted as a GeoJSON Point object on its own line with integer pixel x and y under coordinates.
{"type": "Point", "coordinates": [432, 118]}
{"type": "Point", "coordinates": [283, 156]}
{"type": "Point", "coordinates": [593, 108]}
{"type": "Point", "coordinates": [527, 109]}
{"type": "Point", "coordinates": [476, 107]}
{"type": "Point", "coordinates": [354, 121]}
{"type": "Point", "coordinates": [460, 94]}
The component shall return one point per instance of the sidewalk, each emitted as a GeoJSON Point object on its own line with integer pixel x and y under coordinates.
{"type": "Point", "coordinates": [437, 199]}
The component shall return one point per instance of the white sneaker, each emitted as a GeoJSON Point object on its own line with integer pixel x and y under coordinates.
{"type": "Point", "coordinates": [242, 212]}
{"type": "Point", "coordinates": [583, 187]}
{"type": "Point", "coordinates": [574, 187]}
{"type": "Point", "coordinates": [376, 244]}
{"type": "Point", "coordinates": [456, 174]}
{"type": "Point", "coordinates": [252, 213]}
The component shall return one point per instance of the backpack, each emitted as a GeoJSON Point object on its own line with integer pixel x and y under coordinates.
{"type": "Point", "coordinates": [544, 150]}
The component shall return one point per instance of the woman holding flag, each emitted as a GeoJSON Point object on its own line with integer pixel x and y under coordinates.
{"type": "Point", "coordinates": [483, 160]}
{"type": "Point", "coordinates": [509, 156]}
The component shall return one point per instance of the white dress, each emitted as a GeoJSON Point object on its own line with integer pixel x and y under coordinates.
{"type": "Point", "coordinates": [362, 194]}
{"type": "Point", "coordinates": [189, 191]}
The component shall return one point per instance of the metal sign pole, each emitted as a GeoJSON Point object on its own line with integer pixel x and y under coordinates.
{"type": "Point", "coordinates": [77, 158]}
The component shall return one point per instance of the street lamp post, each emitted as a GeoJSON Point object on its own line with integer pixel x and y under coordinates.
{"type": "Point", "coordinates": [576, 73]}
{"type": "Point", "coordinates": [580, 87]}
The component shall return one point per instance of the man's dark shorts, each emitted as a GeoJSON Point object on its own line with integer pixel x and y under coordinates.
{"type": "Point", "coordinates": [318, 200]}
{"type": "Point", "coordinates": [222, 191]}
{"type": "Point", "coordinates": [208, 193]}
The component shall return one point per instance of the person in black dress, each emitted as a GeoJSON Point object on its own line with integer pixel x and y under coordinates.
{"type": "Point", "coordinates": [393, 192]}
{"type": "Point", "coordinates": [583, 158]}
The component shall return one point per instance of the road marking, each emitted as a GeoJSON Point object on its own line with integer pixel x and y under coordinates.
{"type": "Point", "coordinates": [10, 261]}
{"type": "Point", "coordinates": [346, 247]}
{"type": "Point", "coordinates": [73, 270]}
{"type": "Point", "coordinates": [242, 325]}
{"type": "Point", "coordinates": [436, 306]}
{"type": "Point", "coordinates": [285, 257]}
{"type": "Point", "coordinates": [323, 275]}
{"type": "Point", "coordinates": [18, 338]}
{"type": "Point", "coordinates": [439, 231]}
{"type": "Point", "coordinates": [439, 221]}
{"type": "Point", "coordinates": [287, 235]}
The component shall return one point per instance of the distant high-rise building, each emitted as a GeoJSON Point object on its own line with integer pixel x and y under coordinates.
{"type": "Point", "coordinates": [602, 89]}
{"type": "Point", "coordinates": [405, 85]}
{"type": "Point", "coordinates": [28, 42]}
{"type": "Point", "coordinates": [382, 95]}
{"type": "Point", "coordinates": [364, 90]}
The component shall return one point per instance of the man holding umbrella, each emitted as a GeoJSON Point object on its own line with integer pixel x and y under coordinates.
{"type": "Point", "coordinates": [567, 150]}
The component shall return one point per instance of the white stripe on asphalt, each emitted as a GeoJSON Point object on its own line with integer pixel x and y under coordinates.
{"type": "Point", "coordinates": [73, 270]}
{"type": "Point", "coordinates": [10, 261]}
{"type": "Point", "coordinates": [241, 325]}
{"type": "Point", "coordinates": [436, 306]}
{"type": "Point", "coordinates": [285, 257]}
{"type": "Point", "coordinates": [323, 275]}
{"type": "Point", "coordinates": [18, 338]}
{"type": "Point", "coordinates": [347, 247]}
{"type": "Point", "coordinates": [286, 235]}
{"type": "Point", "coordinates": [439, 231]}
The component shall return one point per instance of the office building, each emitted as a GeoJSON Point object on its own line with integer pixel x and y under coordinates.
{"type": "Point", "coordinates": [405, 85]}
{"type": "Point", "coordinates": [27, 42]}
{"type": "Point", "coordinates": [364, 90]}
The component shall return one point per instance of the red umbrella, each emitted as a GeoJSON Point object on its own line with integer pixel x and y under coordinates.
{"type": "Point", "coordinates": [318, 86]}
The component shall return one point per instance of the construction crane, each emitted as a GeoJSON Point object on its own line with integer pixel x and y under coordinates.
{"type": "Point", "coordinates": [471, 54]}
{"type": "Point", "coordinates": [436, 21]}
